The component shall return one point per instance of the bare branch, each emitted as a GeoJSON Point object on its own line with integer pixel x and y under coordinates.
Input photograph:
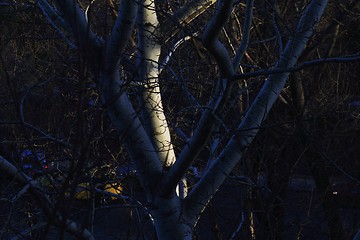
{"type": "Point", "coordinates": [40, 132]}
{"type": "Point", "coordinates": [12, 172]}
{"type": "Point", "coordinates": [207, 121]}
{"type": "Point", "coordinates": [191, 11]}
{"type": "Point", "coordinates": [312, 63]}
{"type": "Point", "coordinates": [121, 33]}
{"type": "Point", "coordinates": [247, 130]}
{"type": "Point", "coordinates": [245, 35]}
{"type": "Point", "coordinates": [80, 28]}
{"type": "Point", "coordinates": [210, 41]}
{"type": "Point", "coordinates": [55, 20]}
{"type": "Point", "coordinates": [126, 121]}
{"type": "Point", "coordinates": [173, 49]}
{"type": "Point", "coordinates": [183, 16]}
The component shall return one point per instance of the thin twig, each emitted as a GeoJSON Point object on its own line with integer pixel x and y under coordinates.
{"type": "Point", "coordinates": [265, 72]}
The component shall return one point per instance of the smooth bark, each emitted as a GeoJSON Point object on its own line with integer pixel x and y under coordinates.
{"type": "Point", "coordinates": [208, 119]}
{"type": "Point", "coordinates": [148, 138]}
{"type": "Point", "coordinates": [120, 34]}
{"type": "Point", "coordinates": [258, 111]}
{"type": "Point", "coordinates": [154, 118]}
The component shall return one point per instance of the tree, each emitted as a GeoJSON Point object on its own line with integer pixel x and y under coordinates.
{"type": "Point", "coordinates": [142, 122]}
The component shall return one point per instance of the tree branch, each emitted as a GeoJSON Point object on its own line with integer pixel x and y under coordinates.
{"type": "Point", "coordinates": [312, 63]}
{"type": "Point", "coordinates": [40, 132]}
{"type": "Point", "coordinates": [120, 33]}
{"type": "Point", "coordinates": [125, 119]}
{"type": "Point", "coordinates": [76, 19]}
{"type": "Point", "coordinates": [247, 130]}
{"type": "Point", "coordinates": [245, 35]}
{"type": "Point", "coordinates": [184, 16]}
{"type": "Point", "coordinates": [72, 227]}
{"type": "Point", "coordinates": [211, 42]}
{"type": "Point", "coordinates": [207, 121]}
{"type": "Point", "coordinates": [55, 20]}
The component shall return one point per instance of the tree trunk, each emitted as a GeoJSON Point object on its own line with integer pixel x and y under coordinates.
{"type": "Point", "coordinates": [169, 220]}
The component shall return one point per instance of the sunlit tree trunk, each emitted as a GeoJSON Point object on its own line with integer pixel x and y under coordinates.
{"type": "Point", "coordinates": [154, 119]}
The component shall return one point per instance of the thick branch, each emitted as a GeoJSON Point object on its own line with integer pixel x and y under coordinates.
{"type": "Point", "coordinates": [121, 33]}
{"type": "Point", "coordinates": [211, 42]}
{"type": "Point", "coordinates": [11, 171]}
{"type": "Point", "coordinates": [252, 121]}
{"type": "Point", "coordinates": [79, 25]}
{"type": "Point", "coordinates": [126, 121]}
{"type": "Point", "coordinates": [186, 14]}
{"type": "Point", "coordinates": [191, 11]}
{"type": "Point", "coordinates": [55, 20]}
{"type": "Point", "coordinates": [207, 121]}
